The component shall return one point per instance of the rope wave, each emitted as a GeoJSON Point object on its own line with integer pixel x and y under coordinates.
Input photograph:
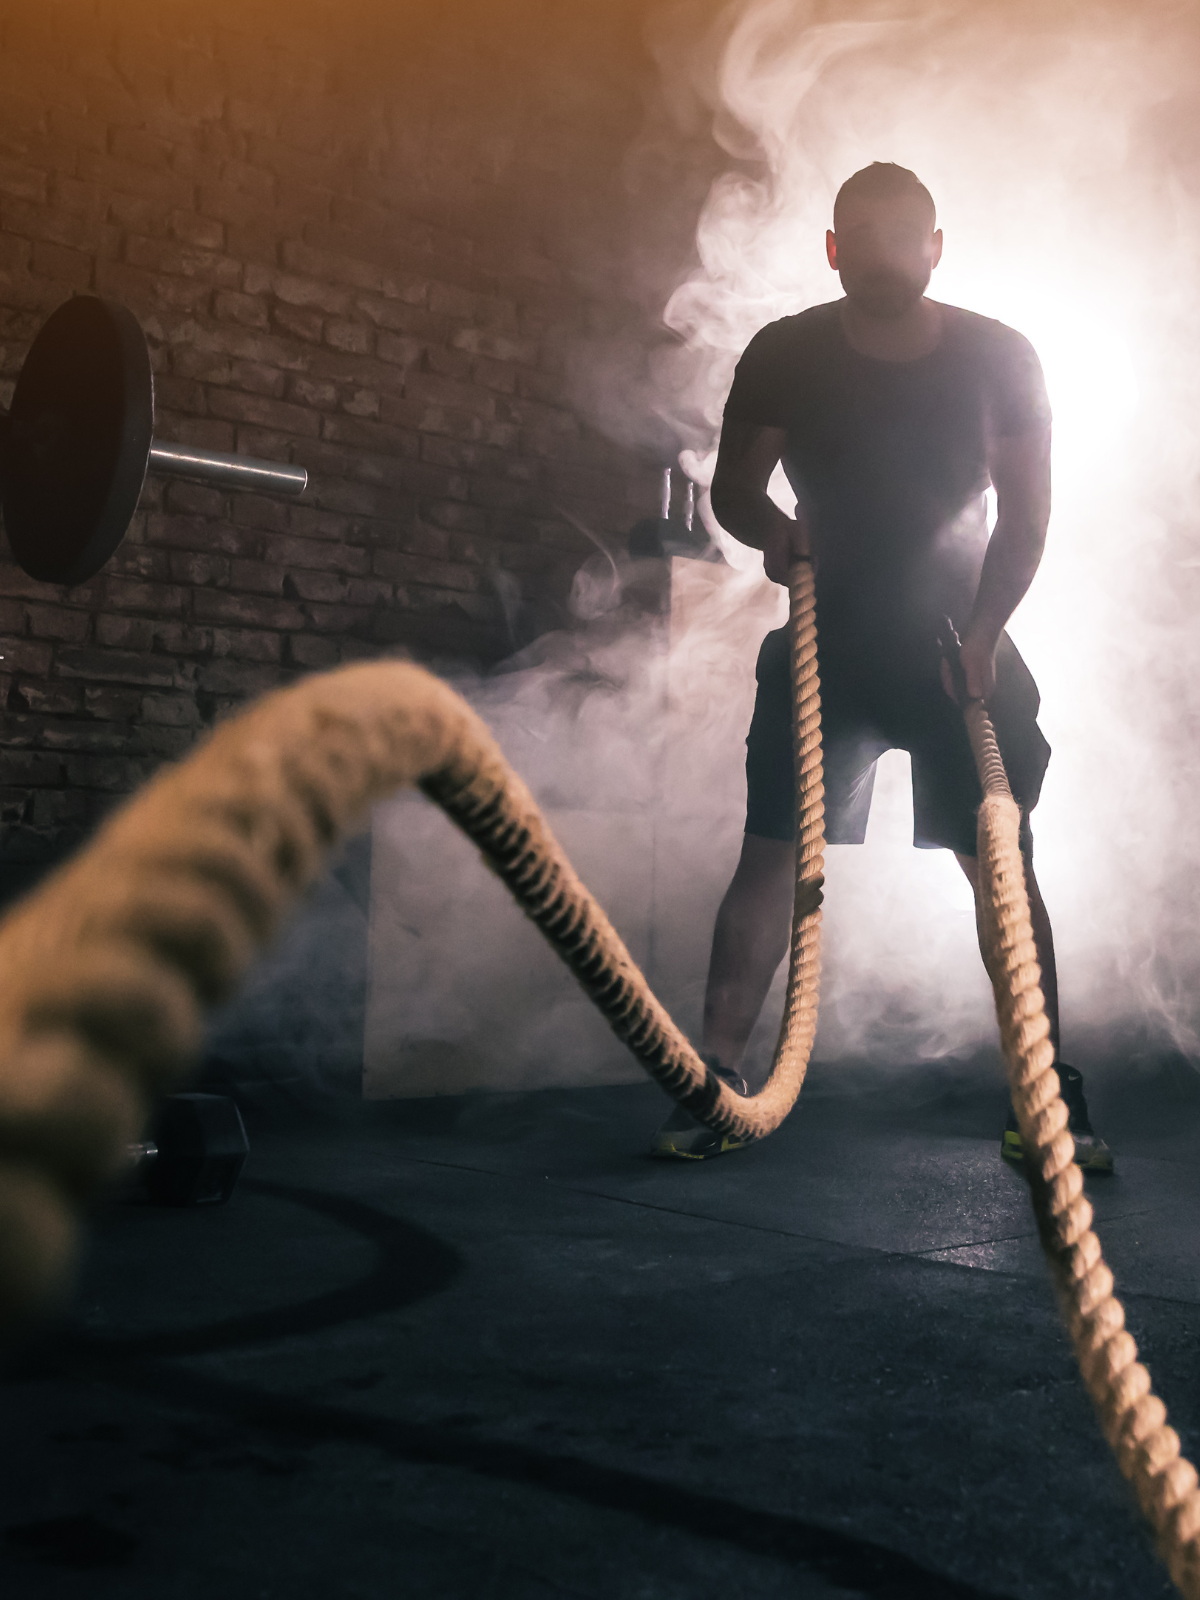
{"type": "Point", "coordinates": [110, 966]}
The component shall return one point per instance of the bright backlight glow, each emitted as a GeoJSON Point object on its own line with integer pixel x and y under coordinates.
{"type": "Point", "coordinates": [1048, 148]}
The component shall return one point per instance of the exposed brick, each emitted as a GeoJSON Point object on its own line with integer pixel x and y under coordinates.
{"type": "Point", "coordinates": [59, 811]}
{"type": "Point", "coordinates": [117, 705]}
{"type": "Point", "coordinates": [22, 732]}
{"type": "Point", "coordinates": [452, 514]}
{"type": "Point", "coordinates": [448, 363]}
{"type": "Point", "coordinates": [30, 767]}
{"type": "Point", "coordinates": [353, 337]}
{"type": "Point", "coordinates": [164, 185]}
{"type": "Point", "coordinates": [54, 622]}
{"type": "Point", "coordinates": [404, 352]}
{"type": "Point", "coordinates": [90, 738]}
{"type": "Point", "coordinates": [203, 233]}
{"type": "Point", "coordinates": [25, 655]}
{"type": "Point", "coordinates": [460, 304]}
{"type": "Point", "coordinates": [263, 412]}
{"type": "Point", "coordinates": [258, 511]}
{"type": "Point", "coordinates": [72, 268]}
{"type": "Point", "coordinates": [478, 342]}
{"type": "Point", "coordinates": [256, 378]}
{"type": "Point", "coordinates": [361, 403]}
{"type": "Point", "coordinates": [502, 376]}
{"type": "Point", "coordinates": [335, 618]}
{"type": "Point", "coordinates": [204, 435]}
{"type": "Point", "coordinates": [404, 567]}
{"type": "Point", "coordinates": [300, 321]}
{"type": "Point", "coordinates": [49, 698]}
{"type": "Point", "coordinates": [142, 289]}
{"type": "Point", "coordinates": [252, 611]}
{"type": "Point", "coordinates": [182, 639]}
{"type": "Point", "coordinates": [168, 742]}
{"type": "Point", "coordinates": [48, 225]}
{"type": "Point", "coordinates": [158, 598]}
{"type": "Point", "coordinates": [167, 257]}
{"type": "Point", "coordinates": [293, 291]}
{"type": "Point", "coordinates": [194, 567]}
{"type": "Point", "coordinates": [247, 644]}
{"type": "Point", "coordinates": [118, 774]}
{"type": "Point", "coordinates": [174, 710]}
{"type": "Point", "coordinates": [318, 586]}
{"type": "Point", "coordinates": [117, 666]}
{"type": "Point", "coordinates": [192, 533]}
{"type": "Point", "coordinates": [258, 577]}
{"type": "Point", "coordinates": [250, 310]}
{"type": "Point", "coordinates": [239, 678]}
{"type": "Point", "coordinates": [125, 632]}
{"type": "Point", "coordinates": [180, 394]}
{"type": "Point", "coordinates": [332, 264]}
{"type": "Point", "coordinates": [194, 497]}
{"type": "Point", "coordinates": [311, 392]}
{"type": "Point", "coordinates": [306, 651]}
{"type": "Point", "coordinates": [367, 435]}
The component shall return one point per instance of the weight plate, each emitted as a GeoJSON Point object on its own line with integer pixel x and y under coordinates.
{"type": "Point", "coordinates": [77, 441]}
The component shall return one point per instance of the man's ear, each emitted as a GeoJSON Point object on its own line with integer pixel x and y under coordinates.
{"type": "Point", "coordinates": [831, 247]}
{"type": "Point", "coordinates": [937, 246]}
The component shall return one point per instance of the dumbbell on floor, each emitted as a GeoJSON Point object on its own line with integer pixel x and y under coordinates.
{"type": "Point", "coordinates": [77, 444]}
{"type": "Point", "coordinates": [194, 1153]}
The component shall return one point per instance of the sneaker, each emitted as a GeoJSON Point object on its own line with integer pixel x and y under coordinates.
{"type": "Point", "coordinates": [1091, 1152]}
{"type": "Point", "coordinates": [682, 1137]}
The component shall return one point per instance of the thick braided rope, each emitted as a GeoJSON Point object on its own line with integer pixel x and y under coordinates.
{"type": "Point", "coordinates": [1132, 1416]}
{"type": "Point", "coordinates": [108, 968]}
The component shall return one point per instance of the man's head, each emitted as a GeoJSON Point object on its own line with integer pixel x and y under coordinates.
{"type": "Point", "coordinates": [884, 243]}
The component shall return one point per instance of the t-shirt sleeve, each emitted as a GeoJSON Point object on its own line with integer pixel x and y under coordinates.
{"type": "Point", "coordinates": [1019, 399]}
{"type": "Point", "coordinates": [758, 393]}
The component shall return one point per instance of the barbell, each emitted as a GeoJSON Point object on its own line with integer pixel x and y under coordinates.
{"type": "Point", "coordinates": [78, 441]}
{"type": "Point", "coordinates": [193, 1154]}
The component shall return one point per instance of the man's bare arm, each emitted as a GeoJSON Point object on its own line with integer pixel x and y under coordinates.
{"type": "Point", "coordinates": [748, 455]}
{"type": "Point", "coordinates": [1020, 468]}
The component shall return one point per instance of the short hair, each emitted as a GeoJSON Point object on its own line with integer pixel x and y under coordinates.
{"type": "Point", "coordinates": [884, 180]}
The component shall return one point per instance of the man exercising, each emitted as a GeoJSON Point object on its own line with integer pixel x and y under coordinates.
{"type": "Point", "coordinates": [891, 414]}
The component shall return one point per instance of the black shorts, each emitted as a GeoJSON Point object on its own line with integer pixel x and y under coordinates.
{"type": "Point", "coordinates": [858, 723]}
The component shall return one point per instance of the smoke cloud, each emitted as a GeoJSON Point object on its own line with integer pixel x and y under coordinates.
{"type": "Point", "coordinates": [1062, 147]}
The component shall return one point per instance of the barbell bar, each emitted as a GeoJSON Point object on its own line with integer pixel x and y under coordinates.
{"type": "Point", "coordinates": [226, 471]}
{"type": "Point", "coordinates": [78, 441]}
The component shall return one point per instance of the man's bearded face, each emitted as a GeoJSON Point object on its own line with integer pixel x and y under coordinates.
{"type": "Point", "coordinates": [886, 252]}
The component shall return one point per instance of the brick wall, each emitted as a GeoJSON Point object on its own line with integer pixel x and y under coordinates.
{"type": "Point", "coordinates": [360, 239]}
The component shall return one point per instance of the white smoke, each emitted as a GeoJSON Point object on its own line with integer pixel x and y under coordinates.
{"type": "Point", "coordinates": [1061, 147]}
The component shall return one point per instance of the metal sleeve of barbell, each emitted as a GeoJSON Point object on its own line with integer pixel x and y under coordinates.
{"type": "Point", "coordinates": [231, 472]}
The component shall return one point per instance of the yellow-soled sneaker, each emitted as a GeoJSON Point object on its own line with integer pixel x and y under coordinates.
{"type": "Point", "coordinates": [1091, 1152]}
{"type": "Point", "coordinates": [682, 1138]}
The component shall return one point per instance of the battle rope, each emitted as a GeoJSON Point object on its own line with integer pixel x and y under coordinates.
{"type": "Point", "coordinates": [108, 968]}
{"type": "Point", "coordinates": [1132, 1416]}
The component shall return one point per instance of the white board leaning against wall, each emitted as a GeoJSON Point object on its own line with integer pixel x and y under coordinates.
{"type": "Point", "coordinates": [636, 753]}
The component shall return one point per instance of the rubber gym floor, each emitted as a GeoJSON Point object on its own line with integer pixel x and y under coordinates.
{"type": "Point", "coordinates": [485, 1347]}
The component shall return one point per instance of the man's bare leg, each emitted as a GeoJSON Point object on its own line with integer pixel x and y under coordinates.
{"type": "Point", "coordinates": [749, 941]}
{"type": "Point", "coordinates": [1043, 934]}
{"type": "Point", "coordinates": [1090, 1150]}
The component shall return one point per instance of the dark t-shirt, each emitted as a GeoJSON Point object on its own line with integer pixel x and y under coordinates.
{"type": "Point", "coordinates": [889, 463]}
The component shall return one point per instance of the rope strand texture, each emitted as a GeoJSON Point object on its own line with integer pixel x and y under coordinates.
{"type": "Point", "coordinates": [1131, 1415]}
{"type": "Point", "coordinates": [109, 967]}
